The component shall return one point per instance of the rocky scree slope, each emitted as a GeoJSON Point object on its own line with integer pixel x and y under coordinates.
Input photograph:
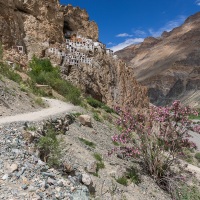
{"type": "Point", "coordinates": [38, 25]}
{"type": "Point", "coordinates": [13, 100]}
{"type": "Point", "coordinates": [169, 65]}
{"type": "Point", "coordinates": [26, 176]}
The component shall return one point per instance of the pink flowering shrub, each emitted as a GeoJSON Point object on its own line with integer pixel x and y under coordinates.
{"type": "Point", "coordinates": [157, 137]}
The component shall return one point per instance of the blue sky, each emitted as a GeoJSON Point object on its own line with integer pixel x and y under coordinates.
{"type": "Point", "coordinates": [126, 22]}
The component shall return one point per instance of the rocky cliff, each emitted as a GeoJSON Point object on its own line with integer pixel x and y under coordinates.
{"type": "Point", "coordinates": [109, 81]}
{"type": "Point", "coordinates": [77, 20]}
{"type": "Point", "coordinates": [169, 65]}
{"type": "Point", "coordinates": [31, 24]}
{"type": "Point", "coordinates": [39, 25]}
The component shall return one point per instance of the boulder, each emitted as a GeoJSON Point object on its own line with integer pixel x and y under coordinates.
{"type": "Point", "coordinates": [92, 167]}
{"type": "Point", "coordinates": [13, 168]}
{"type": "Point", "coordinates": [85, 120]}
{"type": "Point", "coordinates": [86, 179]}
{"type": "Point", "coordinates": [29, 136]}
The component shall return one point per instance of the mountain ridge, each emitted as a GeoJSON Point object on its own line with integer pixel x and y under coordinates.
{"type": "Point", "coordinates": [168, 65]}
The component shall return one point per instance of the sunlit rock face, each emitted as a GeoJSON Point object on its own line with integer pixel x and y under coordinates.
{"type": "Point", "coordinates": [32, 24]}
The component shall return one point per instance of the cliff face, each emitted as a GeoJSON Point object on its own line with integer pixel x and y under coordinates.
{"type": "Point", "coordinates": [32, 24]}
{"type": "Point", "coordinates": [109, 81]}
{"type": "Point", "coordinates": [169, 66]}
{"type": "Point", "coordinates": [77, 20]}
{"type": "Point", "coordinates": [40, 25]}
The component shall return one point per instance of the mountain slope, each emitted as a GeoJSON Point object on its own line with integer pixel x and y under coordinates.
{"type": "Point", "coordinates": [170, 65]}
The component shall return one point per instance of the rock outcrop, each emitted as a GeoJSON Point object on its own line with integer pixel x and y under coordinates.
{"type": "Point", "coordinates": [169, 65]}
{"type": "Point", "coordinates": [109, 81]}
{"type": "Point", "coordinates": [31, 24]}
{"type": "Point", "coordinates": [36, 26]}
{"type": "Point", "coordinates": [77, 20]}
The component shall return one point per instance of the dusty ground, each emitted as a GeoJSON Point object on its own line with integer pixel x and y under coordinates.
{"type": "Point", "coordinates": [14, 100]}
{"type": "Point", "coordinates": [54, 107]}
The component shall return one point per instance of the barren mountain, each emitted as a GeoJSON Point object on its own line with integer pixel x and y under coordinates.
{"type": "Point", "coordinates": [169, 65]}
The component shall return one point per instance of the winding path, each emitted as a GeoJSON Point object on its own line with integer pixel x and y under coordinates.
{"type": "Point", "coordinates": [55, 107]}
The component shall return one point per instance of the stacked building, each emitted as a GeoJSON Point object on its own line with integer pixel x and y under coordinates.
{"type": "Point", "coordinates": [80, 50]}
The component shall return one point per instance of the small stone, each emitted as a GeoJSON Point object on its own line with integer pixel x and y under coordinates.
{"type": "Point", "coordinates": [67, 167]}
{"type": "Point", "coordinates": [41, 162]}
{"type": "Point", "coordinates": [24, 187]}
{"type": "Point", "coordinates": [72, 189]}
{"type": "Point", "coordinates": [50, 181]}
{"type": "Point", "coordinates": [85, 120]}
{"type": "Point", "coordinates": [92, 167]}
{"type": "Point", "coordinates": [48, 174]}
{"type": "Point", "coordinates": [112, 174]}
{"type": "Point", "coordinates": [13, 168]}
{"type": "Point", "coordinates": [32, 189]}
{"type": "Point", "coordinates": [86, 179]}
{"type": "Point", "coordinates": [28, 136]}
{"type": "Point", "coordinates": [58, 189]}
{"type": "Point", "coordinates": [5, 177]}
{"type": "Point", "coordinates": [60, 183]}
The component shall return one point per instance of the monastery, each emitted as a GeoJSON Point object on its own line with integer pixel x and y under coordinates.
{"type": "Point", "coordinates": [80, 50]}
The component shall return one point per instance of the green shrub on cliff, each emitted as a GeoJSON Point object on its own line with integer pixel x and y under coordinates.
{"type": "Point", "coordinates": [43, 72]}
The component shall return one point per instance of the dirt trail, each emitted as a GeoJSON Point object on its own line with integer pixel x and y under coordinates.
{"type": "Point", "coordinates": [55, 107]}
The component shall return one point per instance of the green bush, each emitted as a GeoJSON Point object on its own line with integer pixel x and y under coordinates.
{"type": "Point", "coordinates": [197, 156]}
{"type": "Point", "coordinates": [7, 71]}
{"type": "Point", "coordinates": [133, 175]}
{"type": "Point", "coordinates": [98, 157]}
{"type": "Point", "coordinates": [97, 104]}
{"type": "Point", "coordinates": [100, 163]}
{"type": "Point", "coordinates": [194, 116]}
{"type": "Point", "coordinates": [40, 102]}
{"type": "Point", "coordinates": [188, 193]}
{"type": "Point", "coordinates": [108, 109]}
{"type": "Point", "coordinates": [94, 103]}
{"type": "Point", "coordinates": [1, 52]}
{"type": "Point", "coordinates": [43, 72]}
{"type": "Point", "coordinates": [88, 143]}
{"type": "Point", "coordinates": [96, 117]}
{"type": "Point", "coordinates": [122, 180]}
{"type": "Point", "coordinates": [49, 147]}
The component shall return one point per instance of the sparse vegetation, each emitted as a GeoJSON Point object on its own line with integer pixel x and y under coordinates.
{"type": "Point", "coordinates": [197, 116]}
{"type": "Point", "coordinates": [100, 163]}
{"type": "Point", "coordinates": [77, 114]}
{"type": "Point", "coordinates": [116, 143]}
{"type": "Point", "coordinates": [157, 138]}
{"type": "Point", "coordinates": [31, 128]}
{"type": "Point", "coordinates": [97, 117]}
{"type": "Point", "coordinates": [133, 175]}
{"type": "Point", "coordinates": [98, 157]}
{"type": "Point", "coordinates": [197, 156]}
{"type": "Point", "coordinates": [42, 72]}
{"type": "Point", "coordinates": [1, 52]}
{"type": "Point", "coordinates": [5, 70]}
{"type": "Point", "coordinates": [107, 109]}
{"type": "Point", "coordinates": [188, 193]}
{"type": "Point", "coordinates": [122, 180]}
{"type": "Point", "coordinates": [88, 143]}
{"type": "Point", "coordinates": [97, 104]}
{"type": "Point", "coordinates": [40, 102]}
{"type": "Point", "coordinates": [94, 103]}
{"type": "Point", "coordinates": [49, 147]}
